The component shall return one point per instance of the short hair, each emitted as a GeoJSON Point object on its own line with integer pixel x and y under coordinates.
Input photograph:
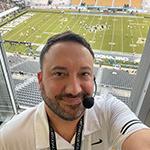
{"type": "Point", "coordinates": [65, 36]}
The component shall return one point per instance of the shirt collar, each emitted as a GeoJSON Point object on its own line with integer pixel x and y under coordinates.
{"type": "Point", "coordinates": [42, 131]}
{"type": "Point", "coordinates": [41, 127]}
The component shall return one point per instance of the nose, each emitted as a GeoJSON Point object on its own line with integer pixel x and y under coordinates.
{"type": "Point", "coordinates": [73, 86]}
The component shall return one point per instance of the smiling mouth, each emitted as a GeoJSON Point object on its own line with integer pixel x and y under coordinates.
{"type": "Point", "coordinates": [72, 101]}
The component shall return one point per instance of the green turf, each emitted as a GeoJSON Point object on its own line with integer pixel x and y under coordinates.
{"type": "Point", "coordinates": [119, 33]}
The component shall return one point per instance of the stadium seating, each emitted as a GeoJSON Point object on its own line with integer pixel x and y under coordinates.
{"type": "Point", "coordinates": [104, 2]}
{"type": "Point", "coordinates": [136, 3]}
{"type": "Point", "coordinates": [90, 2]}
{"type": "Point", "coordinates": [75, 2]}
{"type": "Point", "coordinates": [86, 2]}
{"type": "Point", "coordinates": [29, 94]}
{"type": "Point", "coordinates": [120, 3]}
{"type": "Point", "coordinates": [26, 67]}
{"type": "Point", "coordinates": [4, 6]}
{"type": "Point", "coordinates": [39, 2]}
{"type": "Point", "coordinates": [1, 8]}
{"type": "Point", "coordinates": [117, 82]}
{"type": "Point", "coordinates": [17, 81]}
{"type": "Point", "coordinates": [15, 59]}
{"type": "Point", "coordinates": [5, 97]}
{"type": "Point", "coordinates": [117, 78]}
{"type": "Point", "coordinates": [60, 3]}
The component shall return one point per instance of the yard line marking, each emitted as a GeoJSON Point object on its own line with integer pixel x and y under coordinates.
{"type": "Point", "coordinates": [132, 42]}
{"type": "Point", "coordinates": [49, 26]}
{"type": "Point", "coordinates": [12, 24]}
{"type": "Point", "coordinates": [90, 23]}
{"type": "Point", "coordinates": [103, 35]}
{"type": "Point", "coordinates": [139, 28]}
{"type": "Point", "coordinates": [122, 44]}
{"type": "Point", "coordinates": [76, 23]}
{"type": "Point", "coordinates": [41, 26]}
{"type": "Point", "coordinates": [113, 33]}
{"type": "Point", "coordinates": [31, 23]}
{"type": "Point", "coordinates": [94, 34]}
{"type": "Point", "coordinates": [80, 26]}
{"type": "Point", "coordinates": [68, 23]}
{"type": "Point", "coordinates": [21, 29]}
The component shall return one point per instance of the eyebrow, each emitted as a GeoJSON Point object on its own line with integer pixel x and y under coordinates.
{"type": "Point", "coordinates": [58, 68]}
{"type": "Point", "coordinates": [64, 68]}
{"type": "Point", "coordinates": [86, 68]}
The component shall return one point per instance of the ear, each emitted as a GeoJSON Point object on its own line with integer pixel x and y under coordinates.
{"type": "Point", "coordinates": [39, 75]}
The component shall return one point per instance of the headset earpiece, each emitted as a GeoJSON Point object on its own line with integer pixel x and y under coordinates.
{"type": "Point", "coordinates": [95, 86]}
{"type": "Point", "coordinates": [94, 79]}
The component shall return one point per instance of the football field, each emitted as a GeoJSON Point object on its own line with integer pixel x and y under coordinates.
{"type": "Point", "coordinates": [125, 34]}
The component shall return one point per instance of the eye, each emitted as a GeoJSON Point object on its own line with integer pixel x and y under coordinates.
{"type": "Point", "coordinates": [58, 74]}
{"type": "Point", "coordinates": [86, 75]}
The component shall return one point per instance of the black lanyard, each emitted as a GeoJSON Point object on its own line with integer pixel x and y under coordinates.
{"type": "Point", "coordinates": [78, 139]}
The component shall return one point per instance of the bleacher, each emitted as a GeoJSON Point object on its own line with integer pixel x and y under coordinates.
{"type": "Point", "coordinates": [4, 6]}
{"type": "Point", "coordinates": [120, 3]}
{"type": "Point", "coordinates": [60, 3]}
{"type": "Point", "coordinates": [109, 3]}
{"type": "Point", "coordinates": [90, 2]}
{"type": "Point", "coordinates": [4, 102]}
{"type": "Point", "coordinates": [117, 79]}
{"type": "Point", "coordinates": [117, 82]}
{"type": "Point", "coordinates": [39, 2]}
{"type": "Point", "coordinates": [75, 2]}
{"type": "Point", "coordinates": [29, 95]}
{"type": "Point", "coordinates": [28, 66]}
{"type": "Point", "coordinates": [18, 81]}
{"type": "Point", "coordinates": [15, 59]}
{"type": "Point", "coordinates": [136, 3]}
{"type": "Point", "coordinates": [104, 2]}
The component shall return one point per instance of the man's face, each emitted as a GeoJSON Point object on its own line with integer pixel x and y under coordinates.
{"type": "Point", "coordinates": [67, 76]}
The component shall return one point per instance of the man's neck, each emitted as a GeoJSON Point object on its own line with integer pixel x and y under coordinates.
{"type": "Point", "coordinates": [64, 128]}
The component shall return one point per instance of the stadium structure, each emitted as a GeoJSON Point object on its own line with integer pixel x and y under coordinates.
{"type": "Point", "coordinates": [116, 29]}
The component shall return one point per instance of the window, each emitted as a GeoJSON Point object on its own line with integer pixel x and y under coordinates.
{"type": "Point", "coordinates": [7, 104]}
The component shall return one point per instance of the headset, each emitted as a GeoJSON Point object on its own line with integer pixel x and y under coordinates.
{"type": "Point", "coordinates": [88, 101]}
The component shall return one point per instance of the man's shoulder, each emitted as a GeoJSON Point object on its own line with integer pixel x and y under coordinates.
{"type": "Point", "coordinates": [105, 99]}
{"type": "Point", "coordinates": [19, 121]}
{"type": "Point", "coordinates": [104, 106]}
{"type": "Point", "coordinates": [96, 118]}
{"type": "Point", "coordinates": [20, 130]}
{"type": "Point", "coordinates": [98, 113]}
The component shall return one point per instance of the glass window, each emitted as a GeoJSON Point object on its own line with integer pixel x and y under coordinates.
{"type": "Point", "coordinates": [7, 109]}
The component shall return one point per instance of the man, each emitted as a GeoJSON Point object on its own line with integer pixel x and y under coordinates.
{"type": "Point", "coordinates": [61, 121]}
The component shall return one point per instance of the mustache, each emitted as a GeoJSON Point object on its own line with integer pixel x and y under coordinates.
{"type": "Point", "coordinates": [69, 95]}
